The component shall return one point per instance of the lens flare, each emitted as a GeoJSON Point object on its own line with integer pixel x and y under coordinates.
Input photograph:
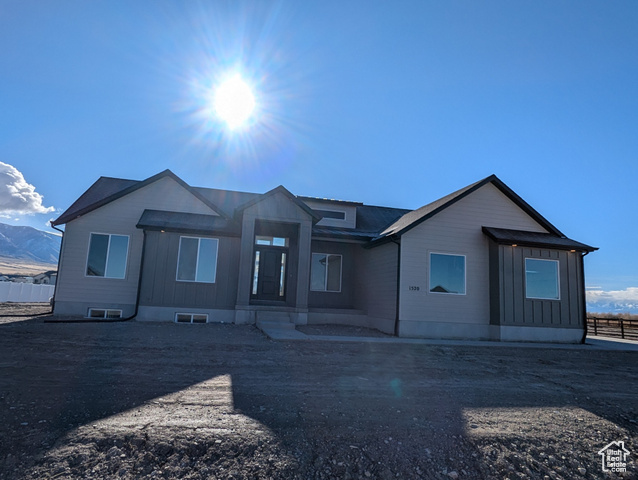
{"type": "Point", "coordinates": [234, 102]}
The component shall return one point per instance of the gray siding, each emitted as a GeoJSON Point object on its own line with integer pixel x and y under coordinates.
{"type": "Point", "coordinates": [159, 287]}
{"type": "Point", "coordinates": [345, 298]}
{"type": "Point", "coordinates": [510, 305]}
{"type": "Point", "coordinates": [117, 217]}
{"type": "Point", "coordinates": [376, 291]}
{"type": "Point", "coordinates": [456, 230]}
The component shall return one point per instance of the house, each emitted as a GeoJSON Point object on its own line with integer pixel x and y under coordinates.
{"type": "Point", "coordinates": [479, 263]}
{"type": "Point", "coordinates": [46, 278]}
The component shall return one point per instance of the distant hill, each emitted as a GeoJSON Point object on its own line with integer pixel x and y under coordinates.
{"type": "Point", "coordinates": [28, 245]}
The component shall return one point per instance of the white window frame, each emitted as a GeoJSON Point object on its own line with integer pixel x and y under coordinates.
{"type": "Point", "coordinates": [106, 312]}
{"type": "Point", "coordinates": [179, 252]}
{"type": "Point", "coordinates": [557, 262]}
{"type": "Point", "coordinates": [325, 283]}
{"type": "Point", "coordinates": [192, 317]}
{"type": "Point", "coordinates": [464, 273]}
{"type": "Point", "coordinates": [108, 251]}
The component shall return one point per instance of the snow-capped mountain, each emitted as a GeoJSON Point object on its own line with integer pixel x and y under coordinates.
{"type": "Point", "coordinates": [28, 243]}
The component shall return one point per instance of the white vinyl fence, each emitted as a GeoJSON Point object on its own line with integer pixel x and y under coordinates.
{"type": "Point", "coordinates": [25, 292]}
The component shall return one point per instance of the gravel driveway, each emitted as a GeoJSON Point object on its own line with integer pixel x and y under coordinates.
{"type": "Point", "coordinates": [154, 401]}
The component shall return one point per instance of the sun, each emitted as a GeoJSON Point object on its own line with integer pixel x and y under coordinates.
{"type": "Point", "coordinates": [234, 102]}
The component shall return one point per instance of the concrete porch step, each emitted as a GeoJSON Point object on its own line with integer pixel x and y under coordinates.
{"type": "Point", "coordinates": [278, 326]}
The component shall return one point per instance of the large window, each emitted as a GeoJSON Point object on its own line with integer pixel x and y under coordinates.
{"type": "Point", "coordinates": [197, 259]}
{"type": "Point", "coordinates": [541, 279]}
{"type": "Point", "coordinates": [447, 273]}
{"type": "Point", "coordinates": [325, 273]}
{"type": "Point", "coordinates": [107, 256]}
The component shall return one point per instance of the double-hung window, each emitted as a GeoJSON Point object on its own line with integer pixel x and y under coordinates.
{"type": "Point", "coordinates": [541, 279]}
{"type": "Point", "coordinates": [197, 259]}
{"type": "Point", "coordinates": [107, 255]}
{"type": "Point", "coordinates": [447, 273]}
{"type": "Point", "coordinates": [325, 272]}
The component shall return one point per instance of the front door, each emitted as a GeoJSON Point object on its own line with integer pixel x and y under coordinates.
{"type": "Point", "coordinates": [269, 273]}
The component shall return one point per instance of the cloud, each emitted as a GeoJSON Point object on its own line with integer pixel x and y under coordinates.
{"type": "Point", "coordinates": [629, 295]}
{"type": "Point", "coordinates": [18, 196]}
{"type": "Point", "coordinates": [614, 301]}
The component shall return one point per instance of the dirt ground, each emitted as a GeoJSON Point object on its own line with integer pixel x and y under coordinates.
{"type": "Point", "coordinates": [158, 401]}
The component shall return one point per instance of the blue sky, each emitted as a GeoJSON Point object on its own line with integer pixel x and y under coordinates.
{"type": "Point", "coordinates": [389, 103]}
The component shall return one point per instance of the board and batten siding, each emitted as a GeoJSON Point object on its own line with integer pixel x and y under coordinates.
{"type": "Point", "coordinates": [344, 298]}
{"type": "Point", "coordinates": [76, 291]}
{"type": "Point", "coordinates": [456, 230]}
{"type": "Point", "coordinates": [376, 292]}
{"type": "Point", "coordinates": [160, 288]}
{"type": "Point", "coordinates": [510, 307]}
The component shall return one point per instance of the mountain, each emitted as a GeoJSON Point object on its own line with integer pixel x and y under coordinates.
{"type": "Point", "coordinates": [612, 307]}
{"type": "Point", "coordinates": [29, 244]}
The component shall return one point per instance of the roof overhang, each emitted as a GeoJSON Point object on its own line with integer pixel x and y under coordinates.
{"type": "Point", "coordinates": [160, 220]}
{"type": "Point", "coordinates": [504, 236]}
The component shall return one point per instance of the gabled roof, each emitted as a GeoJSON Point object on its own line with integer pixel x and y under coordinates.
{"type": "Point", "coordinates": [227, 200]}
{"type": "Point", "coordinates": [106, 190]}
{"type": "Point", "coordinates": [280, 189]}
{"type": "Point", "coordinates": [534, 239]}
{"type": "Point", "coordinates": [415, 217]}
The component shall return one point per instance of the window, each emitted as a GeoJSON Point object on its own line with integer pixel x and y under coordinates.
{"type": "Point", "coordinates": [191, 317]}
{"type": "Point", "coordinates": [541, 279]}
{"type": "Point", "coordinates": [197, 260]}
{"type": "Point", "coordinates": [104, 313]}
{"type": "Point", "coordinates": [325, 273]}
{"type": "Point", "coordinates": [338, 215]}
{"type": "Point", "coordinates": [447, 273]}
{"type": "Point", "coordinates": [107, 256]}
{"type": "Point", "coordinates": [274, 241]}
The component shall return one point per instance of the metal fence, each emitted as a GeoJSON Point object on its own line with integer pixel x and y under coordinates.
{"type": "Point", "coordinates": [25, 292]}
{"type": "Point", "coordinates": [612, 327]}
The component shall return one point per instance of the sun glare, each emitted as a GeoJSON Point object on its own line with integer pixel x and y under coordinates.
{"type": "Point", "coordinates": [234, 102]}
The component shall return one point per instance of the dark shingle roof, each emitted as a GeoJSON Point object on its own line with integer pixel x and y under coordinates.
{"type": "Point", "coordinates": [102, 189]}
{"type": "Point", "coordinates": [534, 239]}
{"type": "Point", "coordinates": [108, 189]}
{"type": "Point", "coordinates": [187, 222]}
{"type": "Point", "coordinates": [227, 200]}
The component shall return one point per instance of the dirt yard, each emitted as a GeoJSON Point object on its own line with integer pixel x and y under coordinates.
{"type": "Point", "coordinates": [159, 401]}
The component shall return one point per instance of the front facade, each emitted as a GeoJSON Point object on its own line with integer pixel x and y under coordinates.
{"type": "Point", "coordinates": [477, 264]}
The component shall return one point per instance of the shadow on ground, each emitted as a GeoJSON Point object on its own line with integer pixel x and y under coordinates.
{"type": "Point", "coordinates": [148, 400]}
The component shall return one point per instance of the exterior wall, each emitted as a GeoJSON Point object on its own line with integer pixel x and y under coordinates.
{"type": "Point", "coordinates": [376, 289]}
{"type": "Point", "coordinates": [456, 230]}
{"type": "Point", "coordinates": [345, 298]}
{"type": "Point", "coordinates": [509, 303]}
{"type": "Point", "coordinates": [167, 314]}
{"type": "Point", "coordinates": [159, 287]}
{"type": "Point", "coordinates": [76, 291]}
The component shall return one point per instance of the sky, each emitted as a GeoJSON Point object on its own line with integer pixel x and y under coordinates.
{"type": "Point", "coordinates": [387, 103]}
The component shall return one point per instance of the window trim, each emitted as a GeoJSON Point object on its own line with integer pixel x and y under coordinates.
{"type": "Point", "coordinates": [192, 317]}
{"type": "Point", "coordinates": [325, 290]}
{"type": "Point", "coordinates": [106, 312]}
{"type": "Point", "coordinates": [179, 252]}
{"type": "Point", "coordinates": [464, 273]}
{"type": "Point", "coordinates": [108, 250]}
{"type": "Point", "coordinates": [557, 263]}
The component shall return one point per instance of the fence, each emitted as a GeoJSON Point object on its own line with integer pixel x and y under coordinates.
{"type": "Point", "coordinates": [25, 292]}
{"type": "Point", "coordinates": [613, 327]}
